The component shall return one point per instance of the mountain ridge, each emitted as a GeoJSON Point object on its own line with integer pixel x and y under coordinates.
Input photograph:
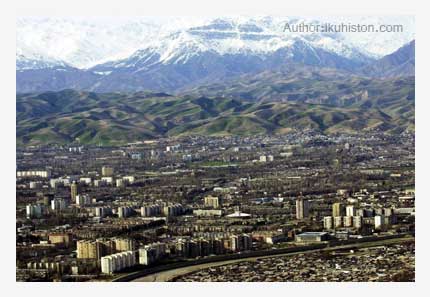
{"type": "Point", "coordinates": [169, 60]}
{"type": "Point", "coordinates": [69, 116]}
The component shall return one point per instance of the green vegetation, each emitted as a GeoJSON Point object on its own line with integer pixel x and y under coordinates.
{"type": "Point", "coordinates": [115, 118]}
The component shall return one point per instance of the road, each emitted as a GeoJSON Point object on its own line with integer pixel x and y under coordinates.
{"type": "Point", "coordinates": [168, 275]}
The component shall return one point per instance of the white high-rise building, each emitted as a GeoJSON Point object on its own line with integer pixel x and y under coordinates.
{"type": "Point", "coordinates": [120, 183]}
{"type": "Point", "coordinates": [350, 211]}
{"type": "Point", "coordinates": [328, 223]}
{"type": "Point", "coordinates": [347, 221]}
{"type": "Point", "coordinates": [358, 222]}
{"type": "Point", "coordinates": [34, 211]}
{"type": "Point", "coordinates": [58, 204]}
{"type": "Point", "coordinates": [83, 200]}
{"type": "Point", "coordinates": [117, 262]}
{"type": "Point", "coordinates": [379, 222]}
{"type": "Point", "coordinates": [337, 221]}
{"type": "Point", "coordinates": [124, 211]}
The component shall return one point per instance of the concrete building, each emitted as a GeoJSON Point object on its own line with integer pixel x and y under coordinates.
{"type": "Point", "coordinates": [359, 212]}
{"type": "Point", "coordinates": [350, 211]}
{"type": "Point", "coordinates": [124, 211]}
{"type": "Point", "coordinates": [152, 253]}
{"type": "Point", "coordinates": [34, 211]}
{"type": "Point", "coordinates": [94, 249]}
{"type": "Point", "coordinates": [337, 222]}
{"type": "Point", "coordinates": [388, 211]}
{"type": "Point", "coordinates": [85, 180]}
{"type": "Point", "coordinates": [107, 180]}
{"type": "Point", "coordinates": [61, 239]}
{"type": "Point", "coordinates": [357, 222]}
{"type": "Point", "coordinates": [347, 221]}
{"type": "Point", "coordinates": [120, 183]}
{"type": "Point", "coordinates": [173, 210]}
{"type": "Point", "coordinates": [211, 201]}
{"type": "Point", "coordinates": [117, 262]}
{"type": "Point", "coordinates": [83, 200]}
{"type": "Point", "coordinates": [337, 210]}
{"type": "Point", "coordinates": [208, 212]}
{"type": "Point", "coordinates": [150, 210]}
{"type": "Point", "coordinates": [58, 204]}
{"type": "Point", "coordinates": [35, 185]}
{"type": "Point", "coordinates": [47, 200]}
{"type": "Point", "coordinates": [102, 211]}
{"type": "Point", "coordinates": [34, 173]}
{"type": "Point", "coordinates": [129, 179]}
{"type": "Point", "coordinates": [88, 249]}
{"type": "Point", "coordinates": [107, 171]}
{"type": "Point", "coordinates": [379, 222]}
{"type": "Point", "coordinates": [124, 244]}
{"type": "Point", "coordinates": [241, 242]}
{"type": "Point", "coordinates": [99, 183]}
{"type": "Point", "coordinates": [302, 208]}
{"type": "Point", "coordinates": [74, 192]}
{"type": "Point", "coordinates": [328, 223]}
{"type": "Point", "coordinates": [312, 237]}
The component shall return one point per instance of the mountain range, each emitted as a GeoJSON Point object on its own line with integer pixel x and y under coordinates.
{"type": "Point", "coordinates": [177, 58]}
{"type": "Point", "coordinates": [112, 84]}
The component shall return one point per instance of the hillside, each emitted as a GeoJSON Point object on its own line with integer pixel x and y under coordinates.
{"type": "Point", "coordinates": [310, 85]}
{"type": "Point", "coordinates": [113, 118]}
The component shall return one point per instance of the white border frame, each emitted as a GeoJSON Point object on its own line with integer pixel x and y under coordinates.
{"type": "Point", "coordinates": [209, 8]}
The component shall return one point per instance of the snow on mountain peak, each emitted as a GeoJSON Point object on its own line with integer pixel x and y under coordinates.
{"type": "Point", "coordinates": [84, 43]}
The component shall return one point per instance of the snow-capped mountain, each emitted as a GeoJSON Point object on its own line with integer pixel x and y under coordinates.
{"type": "Point", "coordinates": [175, 53]}
{"type": "Point", "coordinates": [37, 62]}
{"type": "Point", "coordinates": [86, 42]}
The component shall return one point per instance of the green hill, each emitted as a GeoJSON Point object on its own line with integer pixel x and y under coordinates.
{"type": "Point", "coordinates": [115, 118]}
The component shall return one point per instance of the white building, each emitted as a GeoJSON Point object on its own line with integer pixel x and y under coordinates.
{"type": "Point", "coordinates": [151, 253]}
{"type": "Point", "coordinates": [58, 204]}
{"type": "Point", "coordinates": [150, 210]}
{"type": "Point", "coordinates": [117, 262]}
{"type": "Point", "coordinates": [350, 211]}
{"type": "Point", "coordinates": [34, 211]}
{"type": "Point", "coordinates": [347, 221]}
{"type": "Point", "coordinates": [107, 180]}
{"type": "Point", "coordinates": [129, 179]}
{"type": "Point", "coordinates": [357, 222]}
{"type": "Point", "coordinates": [124, 211]}
{"type": "Point", "coordinates": [34, 173]}
{"type": "Point", "coordinates": [83, 200]}
{"type": "Point", "coordinates": [35, 185]}
{"type": "Point", "coordinates": [337, 222]}
{"type": "Point", "coordinates": [173, 210]}
{"type": "Point", "coordinates": [107, 171]}
{"type": "Point", "coordinates": [379, 222]}
{"type": "Point", "coordinates": [85, 180]}
{"type": "Point", "coordinates": [328, 223]}
{"type": "Point", "coordinates": [120, 183]}
{"type": "Point", "coordinates": [102, 211]}
{"type": "Point", "coordinates": [242, 242]}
